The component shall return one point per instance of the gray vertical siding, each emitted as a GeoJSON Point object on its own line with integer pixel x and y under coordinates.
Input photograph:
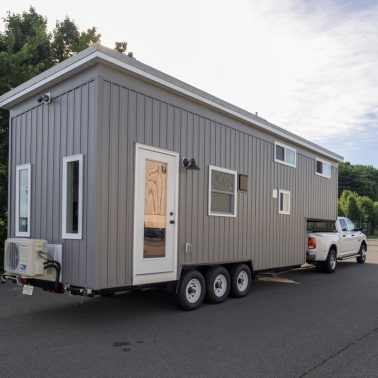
{"type": "Point", "coordinates": [42, 136]}
{"type": "Point", "coordinates": [259, 232]}
{"type": "Point", "coordinates": [103, 119]}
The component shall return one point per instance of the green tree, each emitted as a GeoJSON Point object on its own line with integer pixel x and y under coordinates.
{"type": "Point", "coordinates": [122, 48]}
{"type": "Point", "coordinates": [27, 49]}
{"type": "Point", "coordinates": [67, 40]}
{"type": "Point", "coordinates": [362, 179]}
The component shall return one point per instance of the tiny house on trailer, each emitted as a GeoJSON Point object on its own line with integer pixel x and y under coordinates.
{"type": "Point", "coordinates": [120, 176]}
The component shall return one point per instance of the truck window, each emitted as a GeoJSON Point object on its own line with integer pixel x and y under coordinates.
{"type": "Point", "coordinates": [343, 225]}
{"type": "Point", "coordinates": [350, 224]}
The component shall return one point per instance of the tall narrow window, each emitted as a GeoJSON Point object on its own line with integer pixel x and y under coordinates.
{"type": "Point", "coordinates": [72, 200]}
{"type": "Point", "coordinates": [23, 193]}
{"type": "Point", "coordinates": [284, 202]}
{"type": "Point", "coordinates": [222, 192]}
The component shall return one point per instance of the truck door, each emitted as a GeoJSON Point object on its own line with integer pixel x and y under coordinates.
{"type": "Point", "coordinates": [345, 244]}
{"type": "Point", "coordinates": [354, 236]}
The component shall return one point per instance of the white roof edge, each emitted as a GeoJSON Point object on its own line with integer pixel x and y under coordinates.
{"type": "Point", "coordinates": [96, 54]}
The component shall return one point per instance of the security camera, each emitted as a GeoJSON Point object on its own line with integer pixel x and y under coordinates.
{"type": "Point", "coordinates": [44, 99]}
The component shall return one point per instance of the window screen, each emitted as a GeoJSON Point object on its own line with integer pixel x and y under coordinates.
{"type": "Point", "coordinates": [23, 185]}
{"type": "Point", "coordinates": [72, 197]}
{"type": "Point", "coordinates": [72, 204]}
{"type": "Point", "coordinates": [285, 155]}
{"type": "Point", "coordinates": [222, 193]}
{"type": "Point", "coordinates": [284, 202]}
{"type": "Point", "coordinates": [323, 168]}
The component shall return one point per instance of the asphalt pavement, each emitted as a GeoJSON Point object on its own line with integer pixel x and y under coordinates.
{"type": "Point", "coordinates": [299, 324]}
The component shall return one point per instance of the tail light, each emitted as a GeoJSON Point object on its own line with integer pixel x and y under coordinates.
{"type": "Point", "coordinates": [311, 243]}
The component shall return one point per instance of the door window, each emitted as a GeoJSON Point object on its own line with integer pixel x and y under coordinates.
{"type": "Point", "coordinates": [350, 224]}
{"type": "Point", "coordinates": [343, 225]}
{"type": "Point", "coordinates": [155, 208]}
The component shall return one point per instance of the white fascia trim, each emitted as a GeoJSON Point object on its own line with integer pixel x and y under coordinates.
{"type": "Point", "coordinates": [65, 234]}
{"type": "Point", "coordinates": [18, 169]}
{"type": "Point", "coordinates": [279, 201]}
{"type": "Point", "coordinates": [48, 79]}
{"type": "Point", "coordinates": [285, 147]}
{"type": "Point", "coordinates": [115, 61]}
{"type": "Point", "coordinates": [324, 162]}
{"type": "Point", "coordinates": [235, 173]}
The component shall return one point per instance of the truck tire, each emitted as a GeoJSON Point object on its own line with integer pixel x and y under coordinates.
{"type": "Point", "coordinates": [241, 280]}
{"type": "Point", "coordinates": [192, 290]}
{"type": "Point", "coordinates": [361, 258]}
{"type": "Point", "coordinates": [331, 262]}
{"type": "Point", "coordinates": [217, 284]}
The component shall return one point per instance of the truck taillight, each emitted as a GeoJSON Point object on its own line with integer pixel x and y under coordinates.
{"type": "Point", "coordinates": [311, 243]}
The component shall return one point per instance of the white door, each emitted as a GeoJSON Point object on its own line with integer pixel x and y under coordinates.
{"type": "Point", "coordinates": [155, 215]}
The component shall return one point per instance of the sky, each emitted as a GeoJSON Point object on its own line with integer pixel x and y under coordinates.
{"type": "Point", "coordinates": [308, 66]}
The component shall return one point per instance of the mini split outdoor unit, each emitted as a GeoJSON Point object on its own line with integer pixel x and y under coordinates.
{"type": "Point", "coordinates": [29, 258]}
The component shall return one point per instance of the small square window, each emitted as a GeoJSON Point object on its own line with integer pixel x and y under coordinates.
{"type": "Point", "coordinates": [243, 183]}
{"type": "Point", "coordinates": [285, 155]}
{"type": "Point", "coordinates": [222, 192]}
{"type": "Point", "coordinates": [323, 168]}
{"type": "Point", "coordinates": [284, 202]}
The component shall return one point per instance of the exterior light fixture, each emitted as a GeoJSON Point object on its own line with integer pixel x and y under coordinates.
{"type": "Point", "coordinates": [44, 99]}
{"type": "Point", "coordinates": [190, 164]}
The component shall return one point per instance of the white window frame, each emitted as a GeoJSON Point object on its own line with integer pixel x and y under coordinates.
{"type": "Point", "coordinates": [229, 171]}
{"type": "Point", "coordinates": [279, 201]}
{"type": "Point", "coordinates": [323, 162]}
{"type": "Point", "coordinates": [18, 169]}
{"type": "Point", "coordinates": [285, 147]}
{"type": "Point", "coordinates": [67, 235]}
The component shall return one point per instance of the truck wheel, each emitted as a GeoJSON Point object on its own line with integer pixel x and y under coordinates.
{"type": "Point", "coordinates": [362, 254]}
{"type": "Point", "coordinates": [331, 262]}
{"type": "Point", "coordinates": [241, 280]}
{"type": "Point", "coordinates": [192, 289]}
{"type": "Point", "coordinates": [217, 284]}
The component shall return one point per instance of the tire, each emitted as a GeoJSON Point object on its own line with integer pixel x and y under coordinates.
{"type": "Point", "coordinates": [362, 254]}
{"type": "Point", "coordinates": [319, 266]}
{"type": "Point", "coordinates": [331, 262]}
{"type": "Point", "coordinates": [192, 290]}
{"type": "Point", "coordinates": [217, 284]}
{"type": "Point", "coordinates": [241, 280]}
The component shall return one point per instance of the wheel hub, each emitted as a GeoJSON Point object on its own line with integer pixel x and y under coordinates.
{"type": "Point", "coordinates": [220, 285]}
{"type": "Point", "coordinates": [242, 281]}
{"type": "Point", "coordinates": [193, 290]}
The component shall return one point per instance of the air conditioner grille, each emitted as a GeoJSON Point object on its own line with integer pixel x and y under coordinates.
{"type": "Point", "coordinates": [12, 256]}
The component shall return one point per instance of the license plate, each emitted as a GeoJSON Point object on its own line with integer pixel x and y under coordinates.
{"type": "Point", "coordinates": [27, 290]}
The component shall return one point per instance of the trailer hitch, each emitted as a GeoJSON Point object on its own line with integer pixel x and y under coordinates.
{"type": "Point", "coordinates": [5, 277]}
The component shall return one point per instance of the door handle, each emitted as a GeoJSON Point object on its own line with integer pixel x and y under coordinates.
{"type": "Point", "coordinates": [172, 221]}
{"type": "Point", "coordinates": [351, 235]}
{"type": "Point", "coordinates": [344, 236]}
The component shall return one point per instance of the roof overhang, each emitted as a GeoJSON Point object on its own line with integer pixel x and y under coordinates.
{"type": "Point", "coordinates": [100, 54]}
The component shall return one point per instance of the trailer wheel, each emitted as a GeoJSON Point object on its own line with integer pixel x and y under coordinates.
{"type": "Point", "coordinates": [361, 258]}
{"type": "Point", "coordinates": [192, 290]}
{"type": "Point", "coordinates": [241, 280]}
{"type": "Point", "coordinates": [331, 262]}
{"type": "Point", "coordinates": [217, 284]}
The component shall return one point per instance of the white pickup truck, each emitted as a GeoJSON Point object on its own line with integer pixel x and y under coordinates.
{"type": "Point", "coordinates": [329, 241]}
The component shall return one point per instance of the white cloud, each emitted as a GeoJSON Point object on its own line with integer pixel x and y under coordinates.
{"type": "Point", "coordinates": [308, 66]}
